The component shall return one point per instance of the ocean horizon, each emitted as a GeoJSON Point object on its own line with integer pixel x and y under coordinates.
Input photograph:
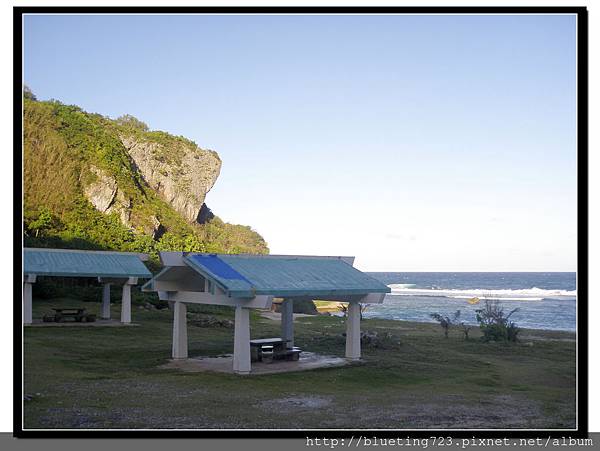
{"type": "Point", "coordinates": [545, 300]}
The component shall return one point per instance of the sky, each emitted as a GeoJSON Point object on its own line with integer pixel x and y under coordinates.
{"type": "Point", "coordinates": [415, 143]}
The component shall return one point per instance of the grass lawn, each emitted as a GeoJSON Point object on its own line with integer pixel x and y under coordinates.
{"type": "Point", "coordinates": [108, 377]}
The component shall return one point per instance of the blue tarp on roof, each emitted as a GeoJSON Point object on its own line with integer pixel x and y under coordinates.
{"type": "Point", "coordinates": [58, 262]}
{"type": "Point", "coordinates": [218, 267]}
{"type": "Point", "coordinates": [249, 275]}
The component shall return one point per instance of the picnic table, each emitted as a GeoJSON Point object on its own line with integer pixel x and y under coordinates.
{"type": "Point", "coordinates": [272, 349]}
{"type": "Point", "coordinates": [77, 314]}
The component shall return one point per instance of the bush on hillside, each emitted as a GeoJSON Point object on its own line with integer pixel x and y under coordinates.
{"type": "Point", "coordinates": [28, 94]}
{"type": "Point", "coordinates": [127, 120]}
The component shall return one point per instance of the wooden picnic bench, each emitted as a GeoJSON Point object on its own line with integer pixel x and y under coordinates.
{"type": "Point", "coordinates": [269, 349]}
{"type": "Point", "coordinates": [77, 314]}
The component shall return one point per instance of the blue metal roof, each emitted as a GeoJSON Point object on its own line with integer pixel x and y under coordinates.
{"type": "Point", "coordinates": [250, 275]}
{"type": "Point", "coordinates": [76, 263]}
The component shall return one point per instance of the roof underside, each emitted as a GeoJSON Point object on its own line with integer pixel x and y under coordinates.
{"type": "Point", "coordinates": [54, 262]}
{"type": "Point", "coordinates": [250, 275]}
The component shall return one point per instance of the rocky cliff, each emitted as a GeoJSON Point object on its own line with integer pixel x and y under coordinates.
{"type": "Point", "coordinates": [181, 174]}
{"type": "Point", "coordinates": [104, 194]}
{"type": "Point", "coordinates": [116, 184]}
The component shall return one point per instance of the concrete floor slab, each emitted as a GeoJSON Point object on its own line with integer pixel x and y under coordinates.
{"type": "Point", "coordinates": [224, 364]}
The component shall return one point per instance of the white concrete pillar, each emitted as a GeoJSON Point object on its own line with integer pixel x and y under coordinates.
{"type": "Point", "coordinates": [126, 304]}
{"type": "Point", "coordinates": [287, 322]}
{"type": "Point", "coordinates": [180, 338]}
{"type": "Point", "coordinates": [27, 303]}
{"type": "Point", "coordinates": [353, 331]}
{"type": "Point", "coordinates": [106, 301]}
{"type": "Point", "coordinates": [241, 341]}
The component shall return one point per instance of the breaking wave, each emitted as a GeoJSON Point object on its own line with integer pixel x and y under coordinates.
{"type": "Point", "coordinates": [529, 294]}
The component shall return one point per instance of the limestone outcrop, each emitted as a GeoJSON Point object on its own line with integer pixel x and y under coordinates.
{"type": "Point", "coordinates": [102, 191]}
{"type": "Point", "coordinates": [104, 194]}
{"type": "Point", "coordinates": [181, 174]}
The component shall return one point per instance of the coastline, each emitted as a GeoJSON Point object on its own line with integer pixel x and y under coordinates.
{"type": "Point", "coordinates": [332, 307]}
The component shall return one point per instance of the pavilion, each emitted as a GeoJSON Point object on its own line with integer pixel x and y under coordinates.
{"type": "Point", "coordinates": [122, 268]}
{"type": "Point", "coordinates": [251, 282]}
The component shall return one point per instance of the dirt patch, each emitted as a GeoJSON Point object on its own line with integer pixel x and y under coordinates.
{"type": "Point", "coordinates": [502, 411]}
{"type": "Point", "coordinates": [535, 337]}
{"type": "Point", "coordinates": [91, 418]}
{"type": "Point", "coordinates": [295, 403]}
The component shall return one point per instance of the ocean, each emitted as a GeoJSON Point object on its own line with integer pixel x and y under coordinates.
{"type": "Point", "coordinates": [546, 300]}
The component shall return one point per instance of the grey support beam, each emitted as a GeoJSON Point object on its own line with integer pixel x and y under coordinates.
{"type": "Point", "coordinates": [106, 301]}
{"type": "Point", "coordinates": [126, 300]}
{"type": "Point", "coordinates": [353, 331]}
{"type": "Point", "coordinates": [241, 343]}
{"type": "Point", "coordinates": [28, 280]}
{"type": "Point", "coordinates": [180, 338]}
{"type": "Point", "coordinates": [287, 322]}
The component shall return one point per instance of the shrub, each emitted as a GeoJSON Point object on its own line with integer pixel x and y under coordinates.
{"type": "Point", "coordinates": [47, 288]}
{"type": "Point", "coordinates": [343, 308]}
{"type": "Point", "coordinates": [512, 331]}
{"type": "Point", "coordinates": [28, 94]}
{"type": "Point", "coordinates": [372, 339]}
{"type": "Point", "coordinates": [127, 120]}
{"type": "Point", "coordinates": [445, 321]}
{"type": "Point", "coordinates": [464, 327]}
{"type": "Point", "coordinates": [495, 324]}
{"type": "Point", "coordinates": [41, 224]}
{"type": "Point", "coordinates": [305, 306]}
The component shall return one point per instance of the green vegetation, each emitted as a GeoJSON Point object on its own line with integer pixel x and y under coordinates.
{"type": "Point", "coordinates": [303, 306]}
{"type": "Point", "coordinates": [28, 94]}
{"type": "Point", "coordinates": [62, 144]}
{"type": "Point", "coordinates": [99, 377]}
{"type": "Point", "coordinates": [495, 325]}
{"type": "Point", "coordinates": [445, 321]}
{"type": "Point", "coordinates": [128, 121]}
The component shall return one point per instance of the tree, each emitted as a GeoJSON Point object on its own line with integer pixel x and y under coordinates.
{"type": "Point", "coordinates": [343, 308]}
{"type": "Point", "coordinates": [445, 321]}
{"type": "Point", "coordinates": [28, 93]}
{"type": "Point", "coordinates": [127, 120]}
{"type": "Point", "coordinates": [464, 327]}
{"type": "Point", "coordinates": [42, 223]}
